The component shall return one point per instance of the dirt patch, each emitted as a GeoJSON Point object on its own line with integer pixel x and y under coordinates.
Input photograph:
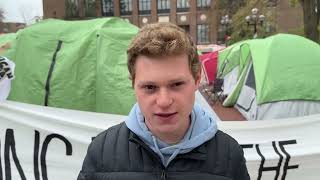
{"type": "Point", "coordinates": [224, 113]}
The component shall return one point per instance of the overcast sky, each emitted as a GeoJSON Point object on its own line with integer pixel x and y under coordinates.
{"type": "Point", "coordinates": [22, 11]}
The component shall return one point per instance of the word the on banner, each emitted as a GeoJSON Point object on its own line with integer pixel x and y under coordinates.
{"type": "Point", "coordinates": [286, 159]}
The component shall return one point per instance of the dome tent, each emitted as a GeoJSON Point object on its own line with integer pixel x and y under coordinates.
{"type": "Point", "coordinates": [74, 65]}
{"type": "Point", "coordinates": [277, 77]}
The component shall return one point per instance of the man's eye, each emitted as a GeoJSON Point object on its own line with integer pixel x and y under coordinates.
{"type": "Point", "coordinates": [177, 84]}
{"type": "Point", "coordinates": [149, 88]}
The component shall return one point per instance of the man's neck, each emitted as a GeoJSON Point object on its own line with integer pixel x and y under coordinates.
{"type": "Point", "coordinates": [170, 138]}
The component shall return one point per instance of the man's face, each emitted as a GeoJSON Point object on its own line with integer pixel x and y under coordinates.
{"type": "Point", "coordinates": [165, 91]}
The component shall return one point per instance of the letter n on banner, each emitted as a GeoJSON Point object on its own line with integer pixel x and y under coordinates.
{"type": "Point", "coordinates": [11, 145]}
{"type": "Point", "coordinates": [0, 162]}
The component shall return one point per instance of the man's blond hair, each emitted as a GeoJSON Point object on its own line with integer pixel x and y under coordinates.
{"type": "Point", "coordinates": [162, 40]}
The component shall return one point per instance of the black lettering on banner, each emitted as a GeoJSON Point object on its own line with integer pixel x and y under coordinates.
{"type": "Point", "coordinates": [286, 164]}
{"type": "Point", "coordinates": [246, 146]}
{"type": "Point", "coordinates": [6, 72]}
{"type": "Point", "coordinates": [36, 155]}
{"type": "Point", "coordinates": [5, 69]}
{"type": "Point", "coordinates": [0, 161]}
{"type": "Point", "coordinates": [10, 144]}
{"type": "Point", "coordinates": [45, 148]}
{"type": "Point", "coordinates": [273, 168]}
{"type": "Point", "coordinates": [278, 167]}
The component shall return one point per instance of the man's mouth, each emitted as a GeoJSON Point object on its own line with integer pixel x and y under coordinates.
{"type": "Point", "coordinates": [165, 115]}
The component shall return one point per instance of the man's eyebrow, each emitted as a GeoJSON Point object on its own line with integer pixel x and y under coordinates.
{"type": "Point", "coordinates": [178, 80]}
{"type": "Point", "coordinates": [142, 83]}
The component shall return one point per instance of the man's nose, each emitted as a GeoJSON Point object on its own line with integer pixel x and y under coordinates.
{"type": "Point", "coordinates": [164, 98]}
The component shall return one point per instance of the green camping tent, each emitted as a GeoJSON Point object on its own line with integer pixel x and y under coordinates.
{"type": "Point", "coordinates": [74, 64]}
{"type": "Point", "coordinates": [286, 67]}
{"type": "Point", "coordinates": [229, 58]}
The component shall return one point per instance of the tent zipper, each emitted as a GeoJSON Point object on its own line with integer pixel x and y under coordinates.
{"type": "Point", "coordinates": [47, 86]}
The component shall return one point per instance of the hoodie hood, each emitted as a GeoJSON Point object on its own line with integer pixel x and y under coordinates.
{"type": "Point", "coordinates": [202, 128]}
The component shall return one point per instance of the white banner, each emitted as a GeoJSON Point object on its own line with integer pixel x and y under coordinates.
{"type": "Point", "coordinates": [45, 143]}
{"type": "Point", "coordinates": [6, 76]}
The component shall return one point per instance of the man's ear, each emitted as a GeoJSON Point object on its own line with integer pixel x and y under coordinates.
{"type": "Point", "coordinates": [132, 82]}
{"type": "Point", "coordinates": [198, 77]}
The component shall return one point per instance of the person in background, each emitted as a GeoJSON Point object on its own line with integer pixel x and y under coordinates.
{"type": "Point", "coordinates": [166, 135]}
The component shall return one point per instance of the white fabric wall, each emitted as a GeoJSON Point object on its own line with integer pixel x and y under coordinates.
{"type": "Point", "coordinates": [230, 81]}
{"type": "Point", "coordinates": [294, 139]}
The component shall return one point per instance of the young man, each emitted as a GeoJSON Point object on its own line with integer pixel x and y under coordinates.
{"type": "Point", "coordinates": [166, 135]}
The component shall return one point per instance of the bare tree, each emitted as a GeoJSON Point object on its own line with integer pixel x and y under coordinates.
{"type": "Point", "coordinates": [72, 9]}
{"type": "Point", "coordinates": [311, 17]}
{"type": "Point", "coordinates": [1, 15]}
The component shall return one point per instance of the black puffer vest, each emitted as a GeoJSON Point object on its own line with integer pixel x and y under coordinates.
{"type": "Point", "coordinates": [119, 154]}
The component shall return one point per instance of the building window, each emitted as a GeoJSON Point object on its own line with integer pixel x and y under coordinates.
{"type": "Point", "coordinates": [203, 3]}
{"type": "Point", "coordinates": [272, 3]}
{"type": "Point", "coordinates": [186, 28]}
{"type": "Point", "coordinates": [125, 7]}
{"type": "Point", "coordinates": [182, 5]}
{"type": "Point", "coordinates": [144, 6]}
{"type": "Point", "coordinates": [72, 9]}
{"type": "Point", "coordinates": [202, 33]}
{"type": "Point", "coordinates": [90, 10]}
{"type": "Point", "coordinates": [163, 6]}
{"type": "Point", "coordinates": [107, 7]}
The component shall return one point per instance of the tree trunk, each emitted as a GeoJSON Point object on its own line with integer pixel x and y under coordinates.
{"type": "Point", "coordinates": [1, 15]}
{"type": "Point", "coordinates": [311, 18]}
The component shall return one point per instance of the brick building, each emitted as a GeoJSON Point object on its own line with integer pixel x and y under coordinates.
{"type": "Point", "coordinates": [10, 27]}
{"type": "Point", "coordinates": [54, 9]}
{"type": "Point", "coordinates": [197, 17]}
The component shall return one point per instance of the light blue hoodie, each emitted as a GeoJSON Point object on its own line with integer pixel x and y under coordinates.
{"type": "Point", "coordinates": [203, 127]}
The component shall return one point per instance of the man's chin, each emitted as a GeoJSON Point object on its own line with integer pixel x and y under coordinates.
{"type": "Point", "coordinates": [168, 129]}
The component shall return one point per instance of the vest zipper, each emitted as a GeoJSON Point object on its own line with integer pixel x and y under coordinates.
{"type": "Point", "coordinates": [148, 149]}
{"type": "Point", "coordinates": [163, 175]}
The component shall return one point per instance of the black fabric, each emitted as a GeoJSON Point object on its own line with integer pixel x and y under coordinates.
{"type": "Point", "coordinates": [251, 82]}
{"type": "Point", "coordinates": [119, 154]}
